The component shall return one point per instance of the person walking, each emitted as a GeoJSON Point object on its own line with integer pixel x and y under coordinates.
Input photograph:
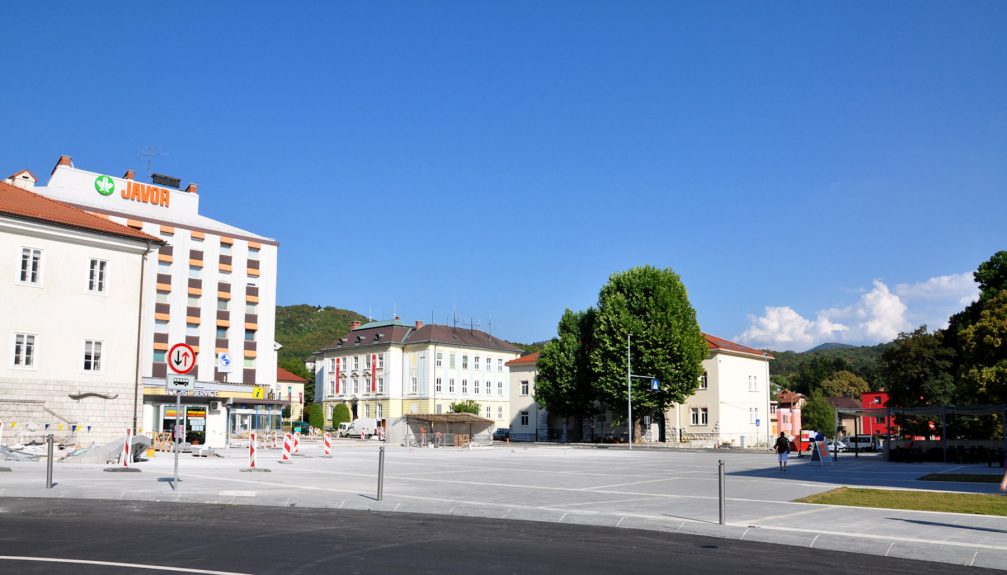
{"type": "Point", "coordinates": [782, 450]}
{"type": "Point", "coordinates": [1003, 482]}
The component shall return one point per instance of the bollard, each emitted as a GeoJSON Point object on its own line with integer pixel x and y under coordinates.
{"type": "Point", "coordinates": [720, 477]}
{"type": "Point", "coordinates": [48, 468]}
{"type": "Point", "coordinates": [381, 473]}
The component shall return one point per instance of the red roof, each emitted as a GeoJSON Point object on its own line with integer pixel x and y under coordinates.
{"type": "Point", "coordinates": [28, 205]}
{"type": "Point", "coordinates": [284, 375]}
{"type": "Point", "coordinates": [529, 359]}
{"type": "Point", "coordinates": [714, 342]}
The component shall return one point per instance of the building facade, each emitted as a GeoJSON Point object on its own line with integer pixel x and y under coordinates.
{"type": "Point", "coordinates": [389, 369]}
{"type": "Point", "coordinates": [528, 420]}
{"type": "Point", "coordinates": [71, 287]}
{"type": "Point", "coordinates": [213, 287]}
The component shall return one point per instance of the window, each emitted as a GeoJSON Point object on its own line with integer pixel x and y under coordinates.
{"type": "Point", "coordinates": [465, 386]}
{"type": "Point", "coordinates": [381, 361]}
{"type": "Point", "coordinates": [475, 362]}
{"type": "Point", "coordinates": [413, 387]}
{"type": "Point", "coordinates": [751, 414]}
{"type": "Point", "coordinates": [880, 420]}
{"type": "Point", "coordinates": [161, 297]}
{"type": "Point", "coordinates": [160, 326]}
{"type": "Point", "coordinates": [249, 335]}
{"type": "Point", "coordinates": [249, 363]}
{"type": "Point", "coordinates": [489, 412]}
{"type": "Point", "coordinates": [753, 383]}
{"type": "Point", "coordinates": [367, 361]}
{"type": "Point", "coordinates": [197, 238]}
{"type": "Point", "coordinates": [224, 276]}
{"type": "Point", "coordinates": [694, 416]}
{"type": "Point", "coordinates": [465, 362]}
{"type": "Point", "coordinates": [192, 329]}
{"type": "Point", "coordinates": [253, 253]}
{"type": "Point", "coordinates": [92, 355]}
{"type": "Point", "coordinates": [221, 332]}
{"type": "Point", "coordinates": [772, 409]}
{"type": "Point", "coordinates": [24, 350]}
{"type": "Point", "coordinates": [499, 365]}
{"type": "Point", "coordinates": [367, 410]}
{"type": "Point", "coordinates": [524, 387]}
{"type": "Point", "coordinates": [524, 418]}
{"type": "Point", "coordinates": [193, 301]}
{"type": "Point", "coordinates": [440, 358]}
{"type": "Point", "coordinates": [489, 387]}
{"type": "Point", "coordinates": [439, 408]}
{"type": "Point", "coordinates": [451, 385]}
{"type": "Point", "coordinates": [381, 384]}
{"type": "Point", "coordinates": [699, 416]}
{"type": "Point", "coordinates": [475, 387]}
{"type": "Point", "coordinates": [96, 276]}
{"type": "Point", "coordinates": [437, 386]}
{"type": "Point", "coordinates": [451, 361]}
{"type": "Point", "coordinates": [499, 388]}
{"type": "Point", "coordinates": [225, 249]}
{"type": "Point", "coordinates": [499, 412]}
{"type": "Point", "coordinates": [164, 267]}
{"type": "Point", "coordinates": [250, 308]}
{"type": "Point", "coordinates": [222, 304]}
{"type": "Point", "coordinates": [704, 381]}
{"type": "Point", "coordinates": [356, 362]}
{"type": "Point", "coordinates": [356, 386]}
{"type": "Point", "coordinates": [195, 272]}
{"type": "Point", "coordinates": [704, 416]}
{"type": "Point", "coordinates": [31, 266]}
{"type": "Point", "coordinates": [159, 355]}
{"type": "Point", "coordinates": [377, 411]}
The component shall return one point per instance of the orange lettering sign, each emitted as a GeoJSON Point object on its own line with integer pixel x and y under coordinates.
{"type": "Point", "coordinates": [146, 194]}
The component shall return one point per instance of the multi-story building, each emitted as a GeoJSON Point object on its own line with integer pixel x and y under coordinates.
{"type": "Point", "coordinates": [388, 369]}
{"type": "Point", "coordinates": [71, 286]}
{"type": "Point", "coordinates": [731, 405]}
{"type": "Point", "coordinates": [213, 287]}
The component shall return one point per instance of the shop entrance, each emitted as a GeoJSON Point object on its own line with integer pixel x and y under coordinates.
{"type": "Point", "coordinates": [192, 418]}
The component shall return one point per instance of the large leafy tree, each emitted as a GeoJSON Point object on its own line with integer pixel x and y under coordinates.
{"type": "Point", "coordinates": [817, 414]}
{"type": "Point", "coordinates": [465, 406]}
{"type": "Point", "coordinates": [918, 368]}
{"type": "Point", "coordinates": [843, 384]}
{"type": "Point", "coordinates": [983, 351]}
{"type": "Point", "coordinates": [563, 383]}
{"type": "Point", "coordinates": [652, 307]}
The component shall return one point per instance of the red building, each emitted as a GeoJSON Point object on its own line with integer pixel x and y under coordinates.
{"type": "Point", "coordinates": [876, 425]}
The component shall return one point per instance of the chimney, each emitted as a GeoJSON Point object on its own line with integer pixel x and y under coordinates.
{"type": "Point", "coordinates": [129, 175]}
{"type": "Point", "coordinates": [63, 161]}
{"type": "Point", "coordinates": [192, 188]}
{"type": "Point", "coordinates": [354, 324]}
{"type": "Point", "coordinates": [419, 324]}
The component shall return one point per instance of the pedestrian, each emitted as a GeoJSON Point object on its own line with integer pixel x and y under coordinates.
{"type": "Point", "coordinates": [782, 450]}
{"type": "Point", "coordinates": [1003, 482]}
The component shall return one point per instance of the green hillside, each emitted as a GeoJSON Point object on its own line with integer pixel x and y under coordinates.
{"type": "Point", "coordinates": [303, 329]}
{"type": "Point", "coordinates": [804, 371]}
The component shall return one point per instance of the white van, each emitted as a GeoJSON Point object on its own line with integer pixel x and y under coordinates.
{"type": "Point", "coordinates": [861, 443]}
{"type": "Point", "coordinates": [363, 427]}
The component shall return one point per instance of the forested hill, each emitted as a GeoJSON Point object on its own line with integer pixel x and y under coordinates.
{"type": "Point", "coordinates": [303, 329]}
{"type": "Point", "coordinates": [804, 371]}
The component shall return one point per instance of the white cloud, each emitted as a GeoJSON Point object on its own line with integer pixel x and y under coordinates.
{"type": "Point", "coordinates": [877, 316]}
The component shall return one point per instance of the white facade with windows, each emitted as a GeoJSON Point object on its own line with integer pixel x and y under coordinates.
{"type": "Point", "coordinates": [527, 420]}
{"type": "Point", "coordinates": [68, 352]}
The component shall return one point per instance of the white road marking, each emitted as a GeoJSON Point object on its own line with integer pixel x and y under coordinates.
{"type": "Point", "coordinates": [118, 564]}
{"type": "Point", "coordinates": [237, 493]}
{"type": "Point", "coordinates": [789, 515]}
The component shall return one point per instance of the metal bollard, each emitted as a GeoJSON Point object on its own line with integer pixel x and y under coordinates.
{"type": "Point", "coordinates": [48, 467]}
{"type": "Point", "coordinates": [720, 477]}
{"type": "Point", "coordinates": [381, 472]}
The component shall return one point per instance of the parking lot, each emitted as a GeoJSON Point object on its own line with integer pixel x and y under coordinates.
{"type": "Point", "coordinates": [657, 489]}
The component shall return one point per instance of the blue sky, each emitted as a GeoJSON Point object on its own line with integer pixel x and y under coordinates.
{"type": "Point", "coordinates": [814, 171]}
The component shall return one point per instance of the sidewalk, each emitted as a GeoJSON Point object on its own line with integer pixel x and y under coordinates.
{"type": "Point", "coordinates": [670, 491]}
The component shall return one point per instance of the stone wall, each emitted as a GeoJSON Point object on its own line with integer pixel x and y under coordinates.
{"type": "Point", "coordinates": [27, 406]}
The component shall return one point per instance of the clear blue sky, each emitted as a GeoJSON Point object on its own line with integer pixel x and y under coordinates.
{"type": "Point", "coordinates": [813, 171]}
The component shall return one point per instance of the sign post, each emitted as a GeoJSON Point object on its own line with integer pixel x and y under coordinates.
{"type": "Point", "coordinates": [181, 361]}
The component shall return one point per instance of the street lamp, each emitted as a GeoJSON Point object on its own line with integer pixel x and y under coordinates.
{"type": "Point", "coordinates": [629, 387]}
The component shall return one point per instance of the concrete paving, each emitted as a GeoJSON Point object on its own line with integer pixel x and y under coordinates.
{"type": "Point", "coordinates": [656, 489]}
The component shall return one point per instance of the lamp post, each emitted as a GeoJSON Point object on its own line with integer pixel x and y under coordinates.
{"type": "Point", "coordinates": [629, 387]}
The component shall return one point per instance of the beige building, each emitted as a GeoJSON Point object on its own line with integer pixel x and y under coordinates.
{"type": "Point", "coordinates": [528, 421]}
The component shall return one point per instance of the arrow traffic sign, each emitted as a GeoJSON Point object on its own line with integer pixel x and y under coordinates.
{"type": "Point", "coordinates": [181, 358]}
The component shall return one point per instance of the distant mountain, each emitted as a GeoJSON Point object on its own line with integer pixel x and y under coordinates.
{"type": "Point", "coordinates": [831, 345]}
{"type": "Point", "coordinates": [303, 329]}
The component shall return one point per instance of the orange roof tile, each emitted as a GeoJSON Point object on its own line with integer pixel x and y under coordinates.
{"type": "Point", "coordinates": [28, 205]}
{"type": "Point", "coordinates": [714, 342]}
{"type": "Point", "coordinates": [284, 375]}
{"type": "Point", "coordinates": [529, 359]}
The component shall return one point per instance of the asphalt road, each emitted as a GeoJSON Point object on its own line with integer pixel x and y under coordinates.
{"type": "Point", "coordinates": [122, 537]}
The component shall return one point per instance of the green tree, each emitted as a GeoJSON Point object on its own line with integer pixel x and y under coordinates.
{"type": "Point", "coordinates": [563, 381]}
{"type": "Point", "coordinates": [467, 406]}
{"type": "Point", "coordinates": [843, 384]}
{"type": "Point", "coordinates": [817, 414]}
{"type": "Point", "coordinates": [652, 306]}
{"type": "Point", "coordinates": [316, 416]}
{"type": "Point", "coordinates": [341, 414]}
{"type": "Point", "coordinates": [918, 368]}
{"type": "Point", "coordinates": [983, 352]}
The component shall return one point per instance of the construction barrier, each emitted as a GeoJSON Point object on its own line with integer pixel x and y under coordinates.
{"type": "Point", "coordinates": [287, 441]}
{"type": "Point", "coordinates": [297, 443]}
{"type": "Point", "coordinates": [127, 452]}
{"type": "Point", "coordinates": [327, 445]}
{"type": "Point", "coordinates": [251, 451]}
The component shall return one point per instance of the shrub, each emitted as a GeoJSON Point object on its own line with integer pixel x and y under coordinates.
{"type": "Point", "coordinates": [316, 416]}
{"type": "Point", "coordinates": [340, 414]}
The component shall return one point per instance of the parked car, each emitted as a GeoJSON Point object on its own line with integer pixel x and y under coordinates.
{"type": "Point", "coordinates": [861, 443]}
{"type": "Point", "coordinates": [501, 434]}
{"type": "Point", "coordinates": [836, 445]}
{"type": "Point", "coordinates": [302, 426]}
{"type": "Point", "coordinates": [343, 429]}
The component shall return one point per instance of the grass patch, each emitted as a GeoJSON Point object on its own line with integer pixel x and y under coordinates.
{"type": "Point", "coordinates": [963, 477]}
{"type": "Point", "coordinates": [975, 503]}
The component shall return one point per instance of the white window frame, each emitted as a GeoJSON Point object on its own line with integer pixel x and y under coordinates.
{"type": "Point", "coordinates": [525, 387]}
{"type": "Point", "coordinates": [475, 387]}
{"type": "Point", "coordinates": [97, 365]}
{"type": "Point", "coordinates": [704, 381]}
{"type": "Point", "coordinates": [378, 412]}
{"type": "Point", "coordinates": [97, 285]}
{"type": "Point", "coordinates": [414, 386]}
{"type": "Point", "coordinates": [500, 389]}
{"type": "Point", "coordinates": [704, 416]}
{"type": "Point", "coordinates": [25, 359]}
{"type": "Point", "coordinates": [524, 418]}
{"type": "Point", "coordinates": [465, 386]}
{"type": "Point", "coordinates": [437, 385]}
{"type": "Point", "coordinates": [440, 358]}
{"type": "Point", "coordinates": [451, 385]}
{"type": "Point", "coordinates": [34, 266]}
{"type": "Point", "coordinates": [694, 416]}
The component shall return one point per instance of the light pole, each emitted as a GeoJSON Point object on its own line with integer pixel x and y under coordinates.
{"type": "Point", "coordinates": [629, 387]}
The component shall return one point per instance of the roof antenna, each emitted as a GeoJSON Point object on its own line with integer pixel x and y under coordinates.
{"type": "Point", "coordinates": [149, 153]}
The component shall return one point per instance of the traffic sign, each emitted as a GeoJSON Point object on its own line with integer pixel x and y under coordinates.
{"type": "Point", "coordinates": [655, 385]}
{"type": "Point", "coordinates": [179, 382]}
{"type": "Point", "coordinates": [181, 358]}
{"type": "Point", "coordinates": [224, 363]}
{"type": "Point", "coordinates": [756, 423]}
{"type": "Point", "coordinates": [258, 392]}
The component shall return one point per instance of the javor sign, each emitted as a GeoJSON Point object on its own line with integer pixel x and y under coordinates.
{"type": "Point", "coordinates": [134, 191]}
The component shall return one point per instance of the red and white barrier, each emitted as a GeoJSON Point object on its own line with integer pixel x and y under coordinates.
{"type": "Point", "coordinates": [287, 442]}
{"type": "Point", "coordinates": [251, 450]}
{"type": "Point", "coordinates": [297, 443]}
{"type": "Point", "coordinates": [327, 445]}
{"type": "Point", "coordinates": [127, 453]}
{"type": "Point", "coordinates": [274, 439]}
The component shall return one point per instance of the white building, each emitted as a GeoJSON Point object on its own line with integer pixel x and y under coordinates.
{"type": "Point", "coordinates": [389, 369]}
{"type": "Point", "coordinates": [731, 405]}
{"type": "Point", "coordinates": [70, 283]}
{"type": "Point", "coordinates": [213, 287]}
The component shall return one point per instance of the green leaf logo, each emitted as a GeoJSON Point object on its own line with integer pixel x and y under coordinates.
{"type": "Point", "coordinates": [104, 185]}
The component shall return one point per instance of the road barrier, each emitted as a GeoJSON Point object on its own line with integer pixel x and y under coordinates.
{"type": "Point", "coordinates": [297, 443]}
{"type": "Point", "coordinates": [327, 445]}
{"type": "Point", "coordinates": [251, 450]}
{"type": "Point", "coordinates": [127, 451]}
{"type": "Point", "coordinates": [287, 441]}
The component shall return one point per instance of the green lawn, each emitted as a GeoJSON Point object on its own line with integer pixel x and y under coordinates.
{"type": "Point", "coordinates": [976, 503]}
{"type": "Point", "coordinates": [963, 477]}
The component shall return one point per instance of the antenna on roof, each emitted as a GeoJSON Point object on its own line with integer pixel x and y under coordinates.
{"type": "Point", "coordinates": [149, 153]}
{"type": "Point", "coordinates": [472, 324]}
{"type": "Point", "coordinates": [491, 326]}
